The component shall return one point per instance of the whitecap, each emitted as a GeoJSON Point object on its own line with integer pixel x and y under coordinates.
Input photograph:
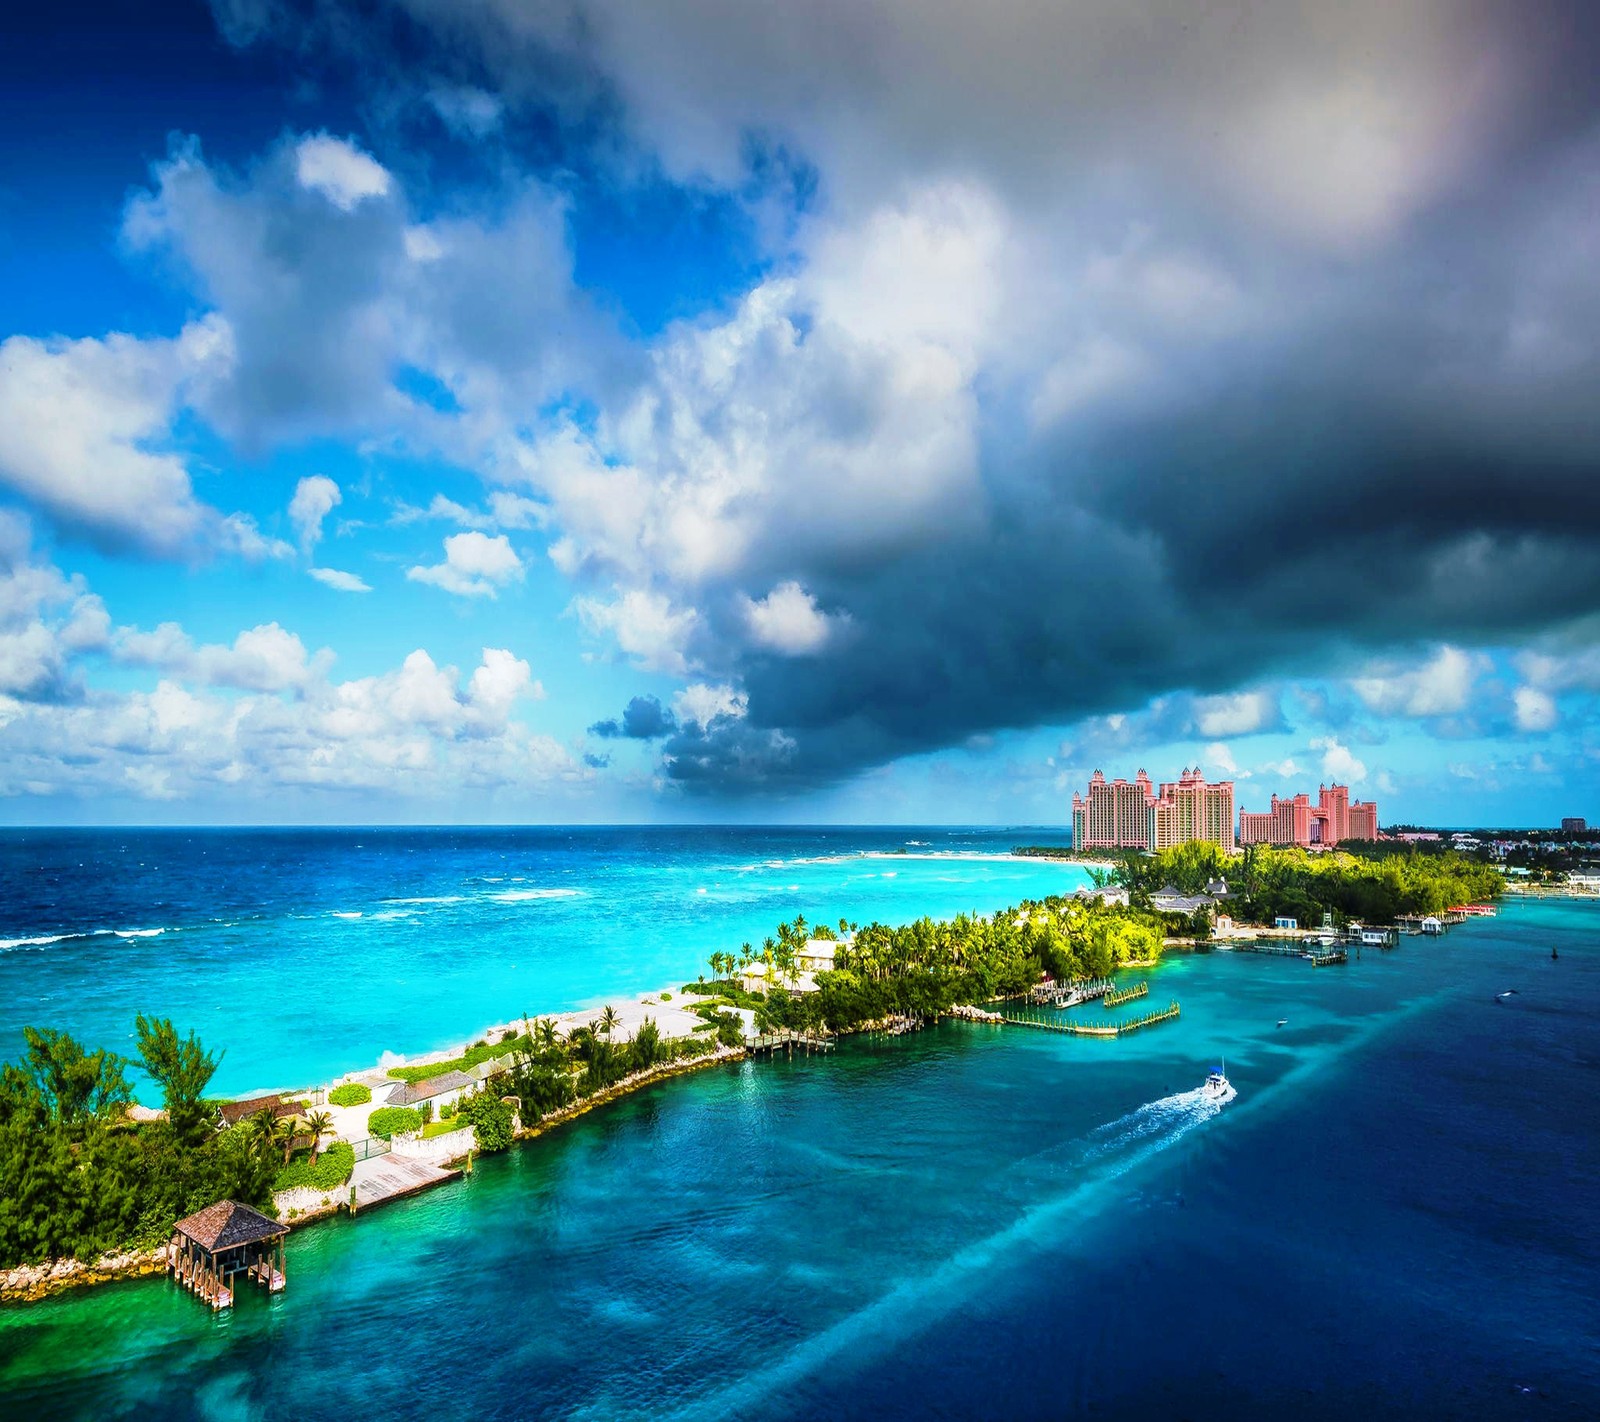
{"type": "Point", "coordinates": [338, 914]}
{"type": "Point", "coordinates": [518, 896]}
{"type": "Point", "coordinates": [138, 932]}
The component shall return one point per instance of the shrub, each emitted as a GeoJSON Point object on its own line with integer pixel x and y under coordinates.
{"type": "Point", "coordinates": [447, 1110]}
{"type": "Point", "coordinates": [352, 1093]}
{"type": "Point", "coordinates": [491, 1120]}
{"type": "Point", "coordinates": [388, 1121]}
{"type": "Point", "coordinates": [332, 1169]}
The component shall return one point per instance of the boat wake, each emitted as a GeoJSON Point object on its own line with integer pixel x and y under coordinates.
{"type": "Point", "coordinates": [1087, 1167]}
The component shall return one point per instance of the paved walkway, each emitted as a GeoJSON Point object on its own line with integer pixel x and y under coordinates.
{"type": "Point", "coordinates": [388, 1177]}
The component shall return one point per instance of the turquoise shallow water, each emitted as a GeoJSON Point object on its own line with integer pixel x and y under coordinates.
{"type": "Point", "coordinates": [307, 953]}
{"type": "Point", "coordinates": [1395, 1219]}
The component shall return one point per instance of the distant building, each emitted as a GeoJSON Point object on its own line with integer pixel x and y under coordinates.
{"type": "Point", "coordinates": [1133, 814]}
{"type": "Point", "coordinates": [1574, 824]}
{"type": "Point", "coordinates": [1114, 814]}
{"type": "Point", "coordinates": [1297, 822]}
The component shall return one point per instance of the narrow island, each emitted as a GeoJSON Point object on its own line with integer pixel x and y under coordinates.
{"type": "Point", "coordinates": [93, 1183]}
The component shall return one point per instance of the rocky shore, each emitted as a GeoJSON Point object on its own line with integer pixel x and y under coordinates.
{"type": "Point", "coordinates": [36, 1281]}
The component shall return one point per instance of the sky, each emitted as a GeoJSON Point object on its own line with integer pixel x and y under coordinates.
{"type": "Point", "coordinates": [431, 411]}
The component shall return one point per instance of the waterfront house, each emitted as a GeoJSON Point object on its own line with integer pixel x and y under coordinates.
{"type": "Point", "coordinates": [1292, 924]}
{"type": "Point", "coordinates": [1108, 896]}
{"type": "Point", "coordinates": [440, 1090]}
{"type": "Point", "coordinates": [1167, 899]}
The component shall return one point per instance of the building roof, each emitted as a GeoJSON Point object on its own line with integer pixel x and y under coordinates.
{"type": "Point", "coordinates": [228, 1224]}
{"type": "Point", "coordinates": [235, 1111]}
{"type": "Point", "coordinates": [409, 1093]}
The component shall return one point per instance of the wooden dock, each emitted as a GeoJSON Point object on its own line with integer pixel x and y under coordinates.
{"type": "Point", "coordinates": [1326, 957]}
{"type": "Point", "coordinates": [788, 1042]}
{"type": "Point", "coordinates": [1070, 994]}
{"type": "Point", "coordinates": [1116, 999]}
{"type": "Point", "coordinates": [392, 1177]}
{"type": "Point", "coordinates": [1032, 1018]}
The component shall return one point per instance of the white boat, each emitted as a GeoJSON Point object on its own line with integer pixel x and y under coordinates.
{"type": "Point", "coordinates": [1218, 1088]}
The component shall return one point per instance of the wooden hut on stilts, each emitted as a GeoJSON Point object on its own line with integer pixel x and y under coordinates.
{"type": "Point", "coordinates": [211, 1248]}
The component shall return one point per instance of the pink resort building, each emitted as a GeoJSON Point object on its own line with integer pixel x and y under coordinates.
{"type": "Point", "coordinates": [1296, 821]}
{"type": "Point", "coordinates": [1133, 814]}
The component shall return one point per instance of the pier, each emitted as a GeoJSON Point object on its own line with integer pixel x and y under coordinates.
{"type": "Point", "coordinates": [211, 1248]}
{"type": "Point", "coordinates": [382, 1178]}
{"type": "Point", "coordinates": [1327, 957]}
{"type": "Point", "coordinates": [1115, 998]}
{"type": "Point", "coordinates": [786, 1042]}
{"type": "Point", "coordinates": [1028, 1018]}
{"type": "Point", "coordinates": [1070, 994]}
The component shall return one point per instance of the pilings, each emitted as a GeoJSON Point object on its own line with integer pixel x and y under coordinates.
{"type": "Point", "coordinates": [787, 1041]}
{"type": "Point", "coordinates": [1028, 1018]}
{"type": "Point", "coordinates": [1116, 999]}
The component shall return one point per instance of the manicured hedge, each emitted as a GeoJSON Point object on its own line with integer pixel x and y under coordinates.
{"type": "Point", "coordinates": [388, 1121]}
{"type": "Point", "coordinates": [352, 1093]}
{"type": "Point", "coordinates": [331, 1170]}
{"type": "Point", "coordinates": [478, 1052]}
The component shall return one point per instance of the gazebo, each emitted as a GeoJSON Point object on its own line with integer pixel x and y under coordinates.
{"type": "Point", "coordinates": [227, 1238]}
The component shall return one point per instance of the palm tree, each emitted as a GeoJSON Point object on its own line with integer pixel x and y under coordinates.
{"type": "Point", "coordinates": [318, 1124]}
{"type": "Point", "coordinates": [285, 1131]}
{"type": "Point", "coordinates": [547, 1033]}
{"type": "Point", "coordinates": [608, 1019]}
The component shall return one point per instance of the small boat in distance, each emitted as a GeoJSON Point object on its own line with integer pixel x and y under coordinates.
{"type": "Point", "coordinates": [1283, 1022]}
{"type": "Point", "coordinates": [1218, 1088]}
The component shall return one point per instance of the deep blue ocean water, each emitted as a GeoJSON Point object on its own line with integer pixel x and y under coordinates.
{"type": "Point", "coordinates": [1396, 1219]}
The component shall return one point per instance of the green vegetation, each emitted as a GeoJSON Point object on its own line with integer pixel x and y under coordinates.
{"type": "Point", "coordinates": [389, 1121]}
{"type": "Point", "coordinates": [926, 967]}
{"type": "Point", "coordinates": [442, 1127]}
{"type": "Point", "coordinates": [1371, 886]}
{"type": "Point", "coordinates": [78, 1179]}
{"type": "Point", "coordinates": [352, 1093]}
{"type": "Point", "coordinates": [549, 1073]}
{"type": "Point", "coordinates": [326, 1171]}
{"type": "Point", "coordinates": [478, 1052]}
{"type": "Point", "coordinates": [492, 1119]}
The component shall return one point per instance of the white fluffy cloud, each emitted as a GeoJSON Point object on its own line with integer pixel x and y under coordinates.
{"type": "Point", "coordinates": [1239, 714]}
{"type": "Point", "coordinates": [475, 565]}
{"type": "Point", "coordinates": [339, 580]}
{"type": "Point", "coordinates": [265, 659]}
{"type": "Point", "coordinates": [787, 620]}
{"type": "Point", "coordinates": [1338, 764]}
{"type": "Point", "coordinates": [84, 427]}
{"type": "Point", "coordinates": [700, 704]}
{"type": "Point", "coordinates": [261, 712]}
{"type": "Point", "coordinates": [339, 170]}
{"type": "Point", "coordinates": [46, 619]}
{"type": "Point", "coordinates": [646, 628]}
{"type": "Point", "coordinates": [315, 497]}
{"type": "Point", "coordinates": [1533, 710]}
{"type": "Point", "coordinates": [1441, 686]}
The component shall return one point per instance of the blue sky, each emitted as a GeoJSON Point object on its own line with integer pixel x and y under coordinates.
{"type": "Point", "coordinates": [588, 411]}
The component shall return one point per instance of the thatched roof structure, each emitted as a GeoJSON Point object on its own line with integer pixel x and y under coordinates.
{"type": "Point", "coordinates": [228, 1224]}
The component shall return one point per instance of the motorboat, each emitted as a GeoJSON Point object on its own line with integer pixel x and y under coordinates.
{"type": "Point", "coordinates": [1218, 1089]}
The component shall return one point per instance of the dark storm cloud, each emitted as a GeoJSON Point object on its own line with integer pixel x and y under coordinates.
{"type": "Point", "coordinates": [1302, 368]}
{"type": "Point", "coordinates": [643, 719]}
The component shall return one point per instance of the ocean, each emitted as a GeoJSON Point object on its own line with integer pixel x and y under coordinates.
{"type": "Point", "coordinates": [1396, 1218]}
